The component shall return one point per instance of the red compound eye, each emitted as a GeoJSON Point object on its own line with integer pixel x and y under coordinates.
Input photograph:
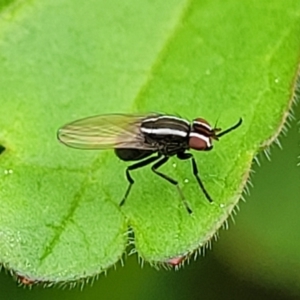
{"type": "Point", "coordinates": [199, 142]}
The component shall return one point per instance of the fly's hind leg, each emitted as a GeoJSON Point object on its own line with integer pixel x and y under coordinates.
{"type": "Point", "coordinates": [134, 167]}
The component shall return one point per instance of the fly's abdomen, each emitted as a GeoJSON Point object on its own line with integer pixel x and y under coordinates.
{"type": "Point", "coordinates": [132, 154]}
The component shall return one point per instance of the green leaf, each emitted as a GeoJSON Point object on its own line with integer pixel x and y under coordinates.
{"type": "Point", "coordinates": [63, 60]}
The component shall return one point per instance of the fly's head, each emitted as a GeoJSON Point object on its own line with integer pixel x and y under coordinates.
{"type": "Point", "coordinates": [202, 134]}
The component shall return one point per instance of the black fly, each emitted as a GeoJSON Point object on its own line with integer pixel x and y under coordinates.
{"type": "Point", "coordinates": [138, 137]}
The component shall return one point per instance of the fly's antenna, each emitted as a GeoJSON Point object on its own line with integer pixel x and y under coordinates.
{"type": "Point", "coordinates": [217, 121]}
{"type": "Point", "coordinates": [231, 128]}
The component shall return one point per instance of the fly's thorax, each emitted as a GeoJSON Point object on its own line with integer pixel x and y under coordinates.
{"type": "Point", "coordinates": [165, 128]}
{"type": "Point", "coordinates": [169, 134]}
{"type": "Point", "coordinates": [201, 135]}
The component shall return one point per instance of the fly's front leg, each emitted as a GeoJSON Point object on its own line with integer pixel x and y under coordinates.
{"type": "Point", "coordinates": [134, 167]}
{"type": "Point", "coordinates": [184, 156]}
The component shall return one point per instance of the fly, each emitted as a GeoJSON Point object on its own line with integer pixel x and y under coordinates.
{"type": "Point", "coordinates": [139, 137]}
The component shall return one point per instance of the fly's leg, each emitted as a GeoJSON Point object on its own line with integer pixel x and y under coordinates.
{"type": "Point", "coordinates": [184, 156]}
{"type": "Point", "coordinates": [171, 180]}
{"type": "Point", "coordinates": [134, 167]}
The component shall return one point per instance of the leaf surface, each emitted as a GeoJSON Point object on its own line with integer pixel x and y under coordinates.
{"type": "Point", "coordinates": [64, 60]}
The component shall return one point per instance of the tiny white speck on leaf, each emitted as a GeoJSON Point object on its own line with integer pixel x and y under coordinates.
{"type": "Point", "coordinates": [7, 172]}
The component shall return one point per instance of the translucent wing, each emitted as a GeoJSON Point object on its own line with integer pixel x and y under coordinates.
{"type": "Point", "coordinates": [105, 131]}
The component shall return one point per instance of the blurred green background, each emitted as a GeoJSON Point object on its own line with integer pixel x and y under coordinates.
{"type": "Point", "coordinates": [254, 259]}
